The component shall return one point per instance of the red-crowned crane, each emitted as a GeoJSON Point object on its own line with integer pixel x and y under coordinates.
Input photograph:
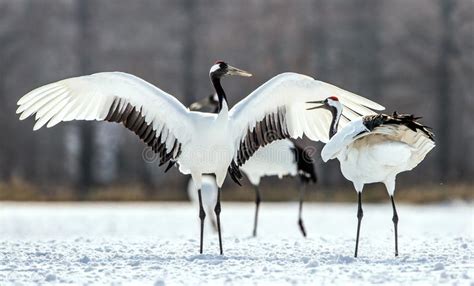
{"type": "Point", "coordinates": [375, 148]}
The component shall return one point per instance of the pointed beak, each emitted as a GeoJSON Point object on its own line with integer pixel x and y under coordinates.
{"type": "Point", "coordinates": [320, 102]}
{"type": "Point", "coordinates": [235, 71]}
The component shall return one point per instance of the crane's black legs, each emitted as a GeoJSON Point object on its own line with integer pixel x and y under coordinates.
{"type": "Point", "coordinates": [217, 210]}
{"type": "Point", "coordinates": [257, 206]}
{"type": "Point", "coordinates": [300, 218]}
{"type": "Point", "coordinates": [360, 214]}
{"type": "Point", "coordinates": [395, 224]}
{"type": "Point", "coordinates": [202, 216]}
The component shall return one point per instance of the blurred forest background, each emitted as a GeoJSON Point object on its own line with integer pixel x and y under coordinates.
{"type": "Point", "coordinates": [411, 56]}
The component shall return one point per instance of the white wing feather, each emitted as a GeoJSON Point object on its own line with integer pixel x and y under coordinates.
{"type": "Point", "coordinates": [91, 97]}
{"type": "Point", "coordinates": [416, 144]}
{"type": "Point", "coordinates": [292, 91]}
{"type": "Point", "coordinates": [405, 145]}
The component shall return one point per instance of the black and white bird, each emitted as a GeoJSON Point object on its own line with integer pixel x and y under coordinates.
{"type": "Point", "coordinates": [279, 158]}
{"type": "Point", "coordinates": [201, 143]}
{"type": "Point", "coordinates": [375, 148]}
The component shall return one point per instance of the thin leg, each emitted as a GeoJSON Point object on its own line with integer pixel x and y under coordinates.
{"type": "Point", "coordinates": [217, 210]}
{"type": "Point", "coordinates": [360, 214]}
{"type": "Point", "coordinates": [257, 206]}
{"type": "Point", "coordinates": [300, 217]}
{"type": "Point", "coordinates": [395, 224]}
{"type": "Point", "coordinates": [202, 216]}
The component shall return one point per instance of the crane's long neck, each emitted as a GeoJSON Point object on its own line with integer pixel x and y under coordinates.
{"type": "Point", "coordinates": [216, 82]}
{"type": "Point", "coordinates": [336, 116]}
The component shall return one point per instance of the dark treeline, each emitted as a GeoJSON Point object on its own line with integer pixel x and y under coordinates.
{"type": "Point", "coordinates": [411, 56]}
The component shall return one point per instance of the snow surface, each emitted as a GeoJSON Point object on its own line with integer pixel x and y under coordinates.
{"type": "Point", "coordinates": [157, 244]}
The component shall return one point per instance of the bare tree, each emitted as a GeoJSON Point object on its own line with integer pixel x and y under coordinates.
{"type": "Point", "coordinates": [369, 25]}
{"type": "Point", "coordinates": [189, 50]}
{"type": "Point", "coordinates": [10, 52]}
{"type": "Point", "coordinates": [320, 38]}
{"type": "Point", "coordinates": [444, 85]}
{"type": "Point", "coordinates": [86, 131]}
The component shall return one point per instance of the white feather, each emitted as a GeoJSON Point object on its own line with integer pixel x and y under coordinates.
{"type": "Point", "coordinates": [275, 159]}
{"type": "Point", "coordinates": [291, 91]}
{"type": "Point", "coordinates": [342, 139]}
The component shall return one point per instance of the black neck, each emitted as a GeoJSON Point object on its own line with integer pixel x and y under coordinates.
{"type": "Point", "coordinates": [216, 81]}
{"type": "Point", "coordinates": [334, 123]}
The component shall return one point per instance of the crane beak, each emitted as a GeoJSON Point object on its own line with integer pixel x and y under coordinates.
{"type": "Point", "coordinates": [235, 71]}
{"type": "Point", "coordinates": [321, 102]}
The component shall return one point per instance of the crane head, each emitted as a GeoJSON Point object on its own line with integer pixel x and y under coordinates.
{"type": "Point", "coordinates": [220, 69]}
{"type": "Point", "coordinates": [331, 103]}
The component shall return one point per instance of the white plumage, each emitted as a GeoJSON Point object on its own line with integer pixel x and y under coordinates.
{"type": "Point", "coordinates": [377, 155]}
{"type": "Point", "coordinates": [275, 159]}
{"type": "Point", "coordinates": [290, 90]}
{"type": "Point", "coordinates": [376, 148]}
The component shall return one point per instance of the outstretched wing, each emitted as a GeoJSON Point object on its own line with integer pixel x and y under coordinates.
{"type": "Point", "coordinates": [277, 110]}
{"type": "Point", "coordinates": [158, 118]}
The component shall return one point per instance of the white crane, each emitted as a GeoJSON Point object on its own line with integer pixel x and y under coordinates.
{"type": "Point", "coordinates": [375, 148]}
{"type": "Point", "coordinates": [279, 158]}
{"type": "Point", "coordinates": [202, 143]}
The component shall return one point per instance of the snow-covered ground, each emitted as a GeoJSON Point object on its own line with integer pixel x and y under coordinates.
{"type": "Point", "coordinates": [157, 244]}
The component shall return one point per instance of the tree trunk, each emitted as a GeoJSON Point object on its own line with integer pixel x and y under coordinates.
{"type": "Point", "coordinates": [85, 179]}
{"type": "Point", "coordinates": [189, 51]}
{"type": "Point", "coordinates": [446, 51]}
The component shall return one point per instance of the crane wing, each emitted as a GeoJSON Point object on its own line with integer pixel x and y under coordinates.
{"type": "Point", "coordinates": [399, 130]}
{"type": "Point", "coordinates": [277, 110]}
{"type": "Point", "coordinates": [403, 128]}
{"type": "Point", "coordinates": [158, 118]}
